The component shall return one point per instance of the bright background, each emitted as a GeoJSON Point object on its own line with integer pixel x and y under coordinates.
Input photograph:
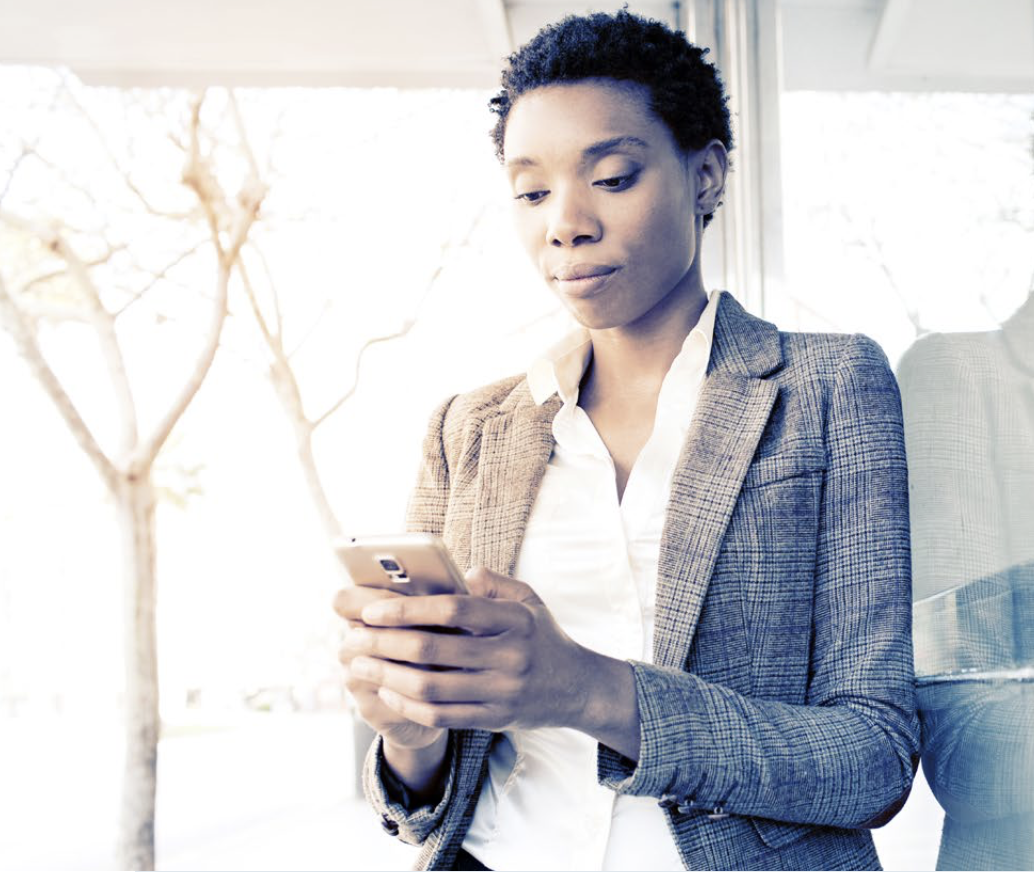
{"type": "Point", "coordinates": [902, 212]}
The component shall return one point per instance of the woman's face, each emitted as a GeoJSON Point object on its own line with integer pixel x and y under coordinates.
{"type": "Point", "coordinates": [605, 203]}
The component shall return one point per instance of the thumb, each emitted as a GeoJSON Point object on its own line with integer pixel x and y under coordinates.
{"type": "Point", "coordinates": [482, 581]}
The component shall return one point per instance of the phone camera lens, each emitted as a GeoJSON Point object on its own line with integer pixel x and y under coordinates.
{"type": "Point", "coordinates": [389, 565]}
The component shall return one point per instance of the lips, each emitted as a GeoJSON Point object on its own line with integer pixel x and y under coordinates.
{"type": "Point", "coordinates": [575, 271]}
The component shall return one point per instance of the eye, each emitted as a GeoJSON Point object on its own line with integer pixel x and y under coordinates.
{"type": "Point", "coordinates": [531, 196]}
{"type": "Point", "coordinates": [617, 183]}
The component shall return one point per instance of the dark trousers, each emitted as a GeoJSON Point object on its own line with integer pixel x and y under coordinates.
{"type": "Point", "coordinates": [467, 863]}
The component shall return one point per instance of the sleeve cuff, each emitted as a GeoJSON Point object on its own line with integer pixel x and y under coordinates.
{"type": "Point", "coordinates": [392, 801]}
{"type": "Point", "coordinates": [667, 701]}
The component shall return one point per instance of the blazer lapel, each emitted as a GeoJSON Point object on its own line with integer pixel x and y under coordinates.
{"type": "Point", "coordinates": [734, 406]}
{"type": "Point", "coordinates": [515, 448]}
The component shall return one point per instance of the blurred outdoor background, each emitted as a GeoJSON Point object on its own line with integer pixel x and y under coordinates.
{"type": "Point", "coordinates": [246, 249]}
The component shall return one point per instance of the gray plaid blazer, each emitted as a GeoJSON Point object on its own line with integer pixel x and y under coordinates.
{"type": "Point", "coordinates": [778, 718]}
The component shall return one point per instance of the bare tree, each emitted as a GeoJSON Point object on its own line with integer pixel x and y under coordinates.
{"type": "Point", "coordinates": [58, 282]}
{"type": "Point", "coordinates": [289, 390]}
{"type": "Point", "coordinates": [283, 375]}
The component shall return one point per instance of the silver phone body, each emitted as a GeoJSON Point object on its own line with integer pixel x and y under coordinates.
{"type": "Point", "coordinates": [408, 563]}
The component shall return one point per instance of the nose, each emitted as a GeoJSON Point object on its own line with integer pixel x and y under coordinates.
{"type": "Point", "coordinates": [572, 220]}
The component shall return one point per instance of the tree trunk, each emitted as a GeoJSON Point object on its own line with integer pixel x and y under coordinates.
{"type": "Point", "coordinates": [135, 502]}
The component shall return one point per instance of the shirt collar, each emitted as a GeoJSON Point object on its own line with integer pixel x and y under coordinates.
{"type": "Point", "coordinates": [560, 369]}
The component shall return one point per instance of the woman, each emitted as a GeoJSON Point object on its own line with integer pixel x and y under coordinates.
{"type": "Point", "coordinates": [706, 662]}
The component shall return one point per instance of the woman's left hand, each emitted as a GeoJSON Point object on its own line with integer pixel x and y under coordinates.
{"type": "Point", "coordinates": [513, 667]}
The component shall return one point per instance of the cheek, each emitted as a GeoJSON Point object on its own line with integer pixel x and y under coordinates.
{"type": "Point", "coordinates": [664, 239]}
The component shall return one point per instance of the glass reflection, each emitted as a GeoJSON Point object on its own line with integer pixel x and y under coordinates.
{"type": "Point", "coordinates": [969, 416]}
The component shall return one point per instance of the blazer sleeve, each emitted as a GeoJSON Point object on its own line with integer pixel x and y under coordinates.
{"type": "Point", "coordinates": [847, 757]}
{"type": "Point", "coordinates": [425, 514]}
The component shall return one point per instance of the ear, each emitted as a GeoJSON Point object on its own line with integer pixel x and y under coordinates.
{"type": "Point", "coordinates": [711, 166]}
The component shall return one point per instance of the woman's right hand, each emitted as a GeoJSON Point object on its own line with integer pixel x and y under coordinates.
{"type": "Point", "coordinates": [396, 730]}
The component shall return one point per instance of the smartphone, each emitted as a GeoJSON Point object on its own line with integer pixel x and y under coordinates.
{"type": "Point", "coordinates": [408, 563]}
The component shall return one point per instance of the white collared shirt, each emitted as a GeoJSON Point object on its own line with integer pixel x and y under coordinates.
{"type": "Point", "coordinates": [593, 561]}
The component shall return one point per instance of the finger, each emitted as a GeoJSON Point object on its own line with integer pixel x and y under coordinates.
{"type": "Point", "coordinates": [346, 654]}
{"type": "Point", "coordinates": [358, 640]}
{"type": "Point", "coordinates": [483, 582]}
{"type": "Point", "coordinates": [459, 715]}
{"type": "Point", "coordinates": [424, 647]}
{"type": "Point", "coordinates": [349, 601]}
{"type": "Point", "coordinates": [372, 708]}
{"type": "Point", "coordinates": [423, 686]}
{"type": "Point", "coordinates": [477, 614]}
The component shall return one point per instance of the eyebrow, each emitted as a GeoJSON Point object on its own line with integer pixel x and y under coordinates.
{"type": "Point", "coordinates": [604, 146]}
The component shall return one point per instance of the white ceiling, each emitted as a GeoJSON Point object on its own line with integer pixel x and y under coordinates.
{"type": "Point", "coordinates": [841, 44]}
{"type": "Point", "coordinates": [908, 45]}
{"type": "Point", "coordinates": [407, 43]}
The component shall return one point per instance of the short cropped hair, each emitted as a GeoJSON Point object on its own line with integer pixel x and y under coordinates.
{"type": "Point", "coordinates": [686, 92]}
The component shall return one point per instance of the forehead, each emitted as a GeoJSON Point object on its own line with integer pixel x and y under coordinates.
{"type": "Point", "coordinates": [560, 120]}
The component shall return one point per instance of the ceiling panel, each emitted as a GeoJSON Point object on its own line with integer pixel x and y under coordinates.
{"type": "Point", "coordinates": [986, 39]}
{"type": "Point", "coordinates": [979, 45]}
{"type": "Point", "coordinates": [908, 45]}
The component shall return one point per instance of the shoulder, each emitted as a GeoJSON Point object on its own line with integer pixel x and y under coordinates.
{"type": "Point", "coordinates": [839, 385]}
{"type": "Point", "coordinates": [828, 350]}
{"type": "Point", "coordinates": [745, 344]}
{"type": "Point", "coordinates": [833, 358]}
{"type": "Point", "coordinates": [466, 412]}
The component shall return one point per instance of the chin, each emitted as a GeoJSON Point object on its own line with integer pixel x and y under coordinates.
{"type": "Point", "coordinates": [592, 318]}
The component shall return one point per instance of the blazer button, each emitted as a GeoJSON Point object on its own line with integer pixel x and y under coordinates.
{"type": "Point", "coordinates": [390, 827]}
{"type": "Point", "coordinates": [717, 814]}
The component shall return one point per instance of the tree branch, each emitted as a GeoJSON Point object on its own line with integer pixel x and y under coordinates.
{"type": "Point", "coordinates": [199, 176]}
{"type": "Point", "coordinates": [344, 398]}
{"type": "Point", "coordinates": [28, 347]}
{"type": "Point", "coordinates": [25, 152]}
{"type": "Point", "coordinates": [161, 274]}
{"type": "Point", "coordinates": [58, 273]}
{"type": "Point", "coordinates": [111, 351]}
{"type": "Point", "coordinates": [109, 152]}
{"type": "Point", "coordinates": [147, 451]}
{"type": "Point", "coordinates": [290, 395]}
{"type": "Point", "coordinates": [273, 339]}
{"type": "Point", "coordinates": [242, 134]}
{"type": "Point", "coordinates": [100, 318]}
{"type": "Point", "coordinates": [277, 313]}
{"type": "Point", "coordinates": [409, 322]}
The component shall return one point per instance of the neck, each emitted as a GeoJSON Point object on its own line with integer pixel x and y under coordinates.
{"type": "Point", "coordinates": [634, 358]}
